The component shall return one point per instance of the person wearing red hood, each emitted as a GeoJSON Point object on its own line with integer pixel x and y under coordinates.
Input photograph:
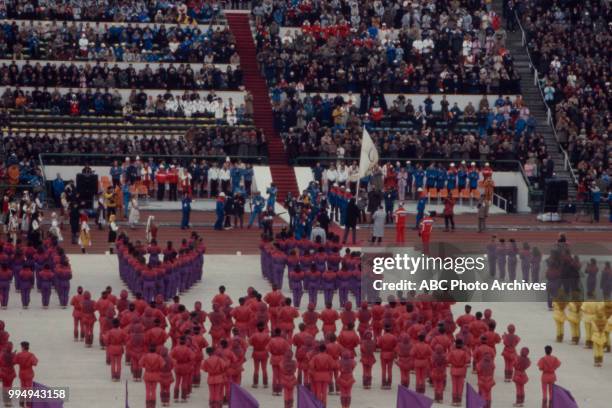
{"type": "Point", "coordinates": [217, 322]}
{"type": "Point", "coordinates": [26, 282]}
{"type": "Point", "coordinates": [123, 301]}
{"type": "Point", "coordinates": [242, 316]}
{"type": "Point", "coordinates": [548, 365]}
{"type": "Point", "coordinates": [438, 372]}
{"type": "Point", "coordinates": [88, 318]}
{"type": "Point", "coordinates": [183, 357]}
{"type": "Point", "coordinates": [115, 340]}
{"type": "Point", "coordinates": [346, 379]}
{"type": "Point", "coordinates": [7, 369]}
{"type": "Point", "coordinates": [334, 349]}
{"type": "Point", "coordinates": [421, 353]}
{"type": "Point", "coordinates": [510, 340]}
{"type": "Point", "coordinates": [76, 303]}
{"type": "Point", "coordinates": [165, 376]}
{"type": "Point", "coordinates": [259, 341]}
{"type": "Point", "coordinates": [520, 378]}
{"type": "Point", "coordinates": [275, 300]}
{"type": "Point", "coordinates": [486, 377]}
{"type": "Point", "coordinates": [367, 349]}
{"type": "Point", "coordinates": [310, 318]}
{"type": "Point", "coordinates": [459, 360]}
{"type": "Point", "coordinates": [277, 347]}
{"type": "Point", "coordinates": [288, 380]}
{"type": "Point", "coordinates": [286, 316]}
{"type": "Point", "coordinates": [135, 347]}
{"type": "Point", "coordinates": [26, 362]}
{"type": "Point", "coordinates": [405, 362]}
{"type": "Point", "coordinates": [364, 316]}
{"type": "Point", "coordinates": [347, 316]}
{"type": "Point", "coordinates": [321, 366]}
{"type": "Point", "coordinates": [215, 366]}
{"type": "Point", "coordinates": [152, 364]}
{"type": "Point", "coordinates": [329, 317]}
{"type": "Point", "coordinates": [198, 344]}
{"type": "Point", "coordinates": [387, 344]}
{"type": "Point", "coordinates": [6, 276]}
{"type": "Point", "coordinates": [238, 346]}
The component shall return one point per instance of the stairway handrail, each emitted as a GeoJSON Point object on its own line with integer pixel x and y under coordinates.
{"type": "Point", "coordinates": [567, 164]}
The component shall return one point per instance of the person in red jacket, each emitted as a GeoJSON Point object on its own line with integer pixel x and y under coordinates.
{"type": "Point", "coordinates": [486, 377]}
{"type": "Point", "coordinates": [346, 379]}
{"type": "Point", "coordinates": [286, 316]}
{"type": "Point", "coordinates": [288, 379]}
{"type": "Point", "coordinates": [277, 347]}
{"type": "Point", "coordinates": [259, 341]}
{"type": "Point", "coordinates": [165, 376]}
{"type": "Point", "coordinates": [364, 316]}
{"type": "Point", "coordinates": [238, 347]}
{"type": "Point", "coordinates": [275, 300]}
{"type": "Point", "coordinates": [26, 362]}
{"type": "Point", "coordinates": [520, 378]}
{"type": "Point", "coordinates": [198, 345]}
{"type": "Point", "coordinates": [349, 339]}
{"type": "Point", "coordinates": [548, 365]}
{"type": "Point", "coordinates": [438, 372]}
{"type": "Point", "coordinates": [26, 282]}
{"type": "Point", "coordinates": [387, 344]}
{"type": "Point", "coordinates": [329, 317]}
{"type": "Point", "coordinates": [426, 228]}
{"type": "Point", "coordinates": [231, 359]}
{"type": "Point", "coordinates": [152, 364]}
{"type": "Point", "coordinates": [404, 359]}
{"type": "Point", "coordinates": [115, 339]}
{"type": "Point", "coordinates": [216, 367]}
{"type": "Point", "coordinates": [378, 312]}
{"type": "Point", "coordinates": [334, 349]}
{"type": "Point", "coordinates": [400, 216]}
{"type": "Point", "coordinates": [368, 358]}
{"type": "Point", "coordinates": [467, 318]}
{"type": "Point", "coordinates": [421, 353]}
{"type": "Point", "coordinates": [242, 316]}
{"type": "Point", "coordinates": [183, 357]}
{"type": "Point", "coordinates": [321, 367]}
{"type": "Point", "coordinates": [135, 347]}
{"type": "Point", "coordinates": [310, 318]}
{"type": "Point", "coordinates": [510, 340]}
{"type": "Point", "coordinates": [459, 360]}
{"type": "Point", "coordinates": [75, 302]}
{"type": "Point", "coordinates": [88, 318]}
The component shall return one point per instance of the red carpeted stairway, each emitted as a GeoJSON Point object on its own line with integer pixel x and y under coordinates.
{"type": "Point", "coordinates": [282, 174]}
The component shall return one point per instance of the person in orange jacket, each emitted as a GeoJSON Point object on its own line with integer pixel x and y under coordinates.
{"type": "Point", "coordinates": [346, 379]}
{"type": "Point", "coordinates": [275, 300]}
{"type": "Point", "coordinates": [321, 367]}
{"type": "Point", "coordinates": [165, 376]}
{"type": "Point", "coordinates": [277, 347]}
{"type": "Point", "coordinates": [400, 216]}
{"type": "Point", "coordinates": [329, 317]}
{"type": "Point", "coordinates": [215, 366]}
{"type": "Point", "coordinates": [486, 377]}
{"type": "Point", "coordinates": [115, 340]}
{"type": "Point", "coordinates": [510, 340]}
{"type": "Point", "coordinates": [152, 364]}
{"type": "Point", "coordinates": [259, 341]}
{"type": "Point", "coordinates": [548, 365]}
{"type": "Point", "coordinates": [368, 358]}
{"type": "Point", "coordinates": [198, 345]}
{"type": "Point", "coordinates": [404, 359]}
{"type": "Point", "coordinates": [349, 339]}
{"type": "Point", "coordinates": [26, 362]}
{"type": "Point", "coordinates": [520, 378]}
{"type": "Point", "coordinates": [459, 360]}
{"type": "Point", "coordinates": [238, 347]}
{"type": "Point", "coordinates": [183, 357]}
{"type": "Point", "coordinates": [387, 344]}
{"type": "Point", "coordinates": [288, 379]}
{"type": "Point", "coordinates": [286, 316]}
{"type": "Point", "coordinates": [242, 316]}
{"type": "Point", "coordinates": [438, 372]}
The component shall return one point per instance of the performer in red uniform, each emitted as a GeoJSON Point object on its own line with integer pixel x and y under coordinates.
{"type": "Point", "coordinates": [288, 380]}
{"type": "Point", "coordinates": [364, 316]}
{"type": "Point", "coordinates": [310, 318]}
{"type": "Point", "coordinates": [286, 316]}
{"type": "Point", "coordinates": [335, 351]}
{"type": "Point", "coordinates": [421, 353]}
{"type": "Point", "coordinates": [486, 377]}
{"type": "Point", "coordinates": [459, 360]}
{"type": "Point", "coordinates": [277, 347]}
{"type": "Point", "coordinates": [152, 364]}
{"type": "Point", "coordinates": [26, 362]}
{"type": "Point", "coordinates": [425, 231]}
{"type": "Point", "coordinates": [387, 344]}
{"type": "Point", "coordinates": [88, 318]}
{"type": "Point", "coordinates": [346, 379]}
{"type": "Point", "coordinates": [216, 367]}
{"type": "Point", "coordinates": [321, 366]}
{"type": "Point", "coordinates": [242, 315]}
{"type": "Point", "coordinates": [548, 365]}
{"type": "Point", "coordinates": [404, 359]}
{"type": "Point", "coordinates": [259, 341]}
{"type": "Point", "coordinates": [75, 302]}
{"type": "Point", "coordinates": [368, 358]}
{"type": "Point", "coordinates": [183, 357]}
{"type": "Point", "coordinates": [378, 311]}
{"type": "Point", "coordinates": [438, 372]}
{"type": "Point", "coordinates": [7, 371]}
{"type": "Point", "coordinates": [329, 317]}
{"type": "Point", "coordinates": [520, 378]}
{"type": "Point", "coordinates": [115, 340]}
{"type": "Point", "coordinates": [274, 300]}
{"type": "Point", "coordinates": [510, 340]}
{"type": "Point", "coordinates": [400, 223]}
{"type": "Point", "coordinates": [349, 339]}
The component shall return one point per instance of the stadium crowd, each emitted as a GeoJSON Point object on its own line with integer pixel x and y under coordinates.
{"type": "Point", "coordinates": [410, 47]}
{"type": "Point", "coordinates": [182, 76]}
{"type": "Point", "coordinates": [115, 43]}
{"type": "Point", "coordinates": [568, 43]}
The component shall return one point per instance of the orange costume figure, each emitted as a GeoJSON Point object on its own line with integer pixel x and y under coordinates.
{"type": "Point", "coordinates": [288, 379]}
{"type": "Point", "coordinates": [426, 227]}
{"type": "Point", "coordinates": [115, 340]}
{"type": "Point", "coordinates": [321, 367]}
{"type": "Point", "coordinates": [310, 318]}
{"type": "Point", "coordinates": [510, 341]}
{"type": "Point", "coordinates": [286, 316]}
{"type": "Point", "coordinates": [346, 379]}
{"type": "Point", "coordinates": [520, 378]}
{"type": "Point", "coordinates": [459, 360]}
{"type": "Point", "coordinates": [421, 353]}
{"type": "Point", "coordinates": [548, 365]}
{"type": "Point", "coordinates": [215, 366]}
{"type": "Point", "coordinates": [387, 344]}
{"type": "Point", "coordinates": [165, 376]}
{"type": "Point", "coordinates": [75, 302]}
{"type": "Point", "coordinates": [183, 357]}
{"type": "Point", "coordinates": [400, 223]}
{"type": "Point", "coordinates": [329, 317]}
{"type": "Point", "coordinates": [277, 347]}
{"type": "Point", "coordinates": [404, 359]}
{"type": "Point", "coordinates": [26, 362]}
{"type": "Point", "coordinates": [438, 372]}
{"type": "Point", "coordinates": [152, 364]}
{"type": "Point", "coordinates": [259, 341]}
{"type": "Point", "coordinates": [275, 300]}
{"type": "Point", "coordinates": [242, 315]}
{"type": "Point", "coordinates": [486, 377]}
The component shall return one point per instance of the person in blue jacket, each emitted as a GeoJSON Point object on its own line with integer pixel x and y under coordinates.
{"type": "Point", "coordinates": [247, 174]}
{"type": "Point", "coordinates": [473, 176]}
{"type": "Point", "coordinates": [441, 180]}
{"type": "Point", "coordinates": [58, 189]}
{"type": "Point", "coordinates": [186, 211]}
{"type": "Point", "coordinates": [220, 211]}
{"type": "Point", "coordinates": [420, 207]}
{"type": "Point", "coordinates": [271, 191]}
{"type": "Point", "coordinates": [257, 204]}
{"type": "Point", "coordinates": [432, 176]}
{"type": "Point", "coordinates": [462, 177]}
{"type": "Point", "coordinates": [451, 178]}
{"type": "Point", "coordinates": [235, 176]}
{"type": "Point", "coordinates": [419, 176]}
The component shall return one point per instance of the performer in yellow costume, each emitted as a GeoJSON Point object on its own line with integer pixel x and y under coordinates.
{"type": "Point", "coordinates": [589, 309]}
{"type": "Point", "coordinates": [560, 318]}
{"type": "Point", "coordinates": [573, 314]}
{"type": "Point", "coordinates": [599, 335]}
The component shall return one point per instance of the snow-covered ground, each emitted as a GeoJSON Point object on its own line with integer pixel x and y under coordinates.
{"type": "Point", "coordinates": [68, 364]}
